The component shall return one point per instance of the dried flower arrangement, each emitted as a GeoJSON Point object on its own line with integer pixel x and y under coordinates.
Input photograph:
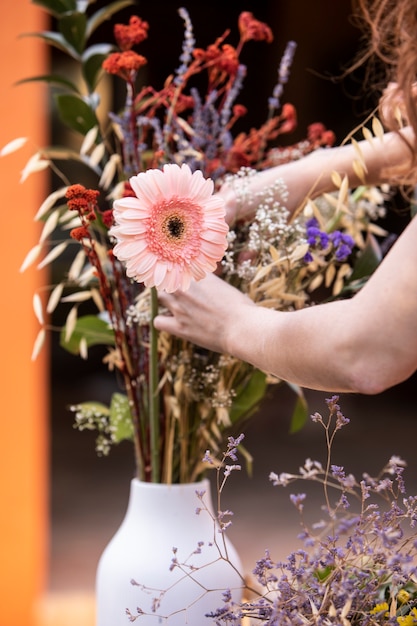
{"type": "Point", "coordinates": [177, 400]}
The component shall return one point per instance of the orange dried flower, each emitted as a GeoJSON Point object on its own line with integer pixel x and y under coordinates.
{"type": "Point", "coordinates": [82, 200]}
{"type": "Point", "coordinates": [79, 191]}
{"type": "Point", "coordinates": [219, 60]}
{"type": "Point", "coordinates": [132, 34]}
{"type": "Point", "coordinates": [251, 28]}
{"type": "Point", "coordinates": [289, 115]}
{"type": "Point", "coordinates": [124, 64]}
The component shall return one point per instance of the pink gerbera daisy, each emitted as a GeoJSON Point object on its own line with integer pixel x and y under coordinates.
{"type": "Point", "coordinates": [172, 231]}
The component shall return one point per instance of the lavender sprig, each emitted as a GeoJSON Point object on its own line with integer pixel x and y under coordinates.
{"type": "Point", "coordinates": [187, 46]}
{"type": "Point", "coordinates": [274, 101]}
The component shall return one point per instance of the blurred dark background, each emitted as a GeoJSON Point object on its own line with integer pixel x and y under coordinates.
{"type": "Point", "coordinates": [89, 494]}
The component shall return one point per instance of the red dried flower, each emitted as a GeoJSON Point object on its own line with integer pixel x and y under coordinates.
{"type": "Point", "coordinates": [132, 34]}
{"type": "Point", "coordinates": [127, 190]}
{"type": "Point", "coordinates": [239, 110]}
{"type": "Point", "coordinates": [315, 131]}
{"type": "Point", "coordinates": [79, 233]}
{"type": "Point", "coordinates": [319, 135]}
{"type": "Point", "coordinates": [251, 28]}
{"type": "Point", "coordinates": [328, 138]}
{"type": "Point", "coordinates": [107, 217]}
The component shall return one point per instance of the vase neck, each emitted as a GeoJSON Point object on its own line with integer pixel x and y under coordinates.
{"type": "Point", "coordinates": [169, 499]}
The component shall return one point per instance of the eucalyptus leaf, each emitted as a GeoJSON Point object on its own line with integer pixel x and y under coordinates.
{"type": "Point", "coordinates": [106, 13]}
{"type": "Point", "coordinates": [120, 418]}
{"type": "Point", "coordinates": [57, 7]}
{"type": "Point", "coordinates": [75, 113]}
{"type": "Point", "coordinates": [73, 28]}
{"type": "Point", "coordinates": [94, 330]}
{"type": "Point", "coordinates": [249, 396]}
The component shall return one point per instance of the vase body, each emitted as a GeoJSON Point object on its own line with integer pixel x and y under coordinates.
{"type": "Point", "coordinates": [135, 567]}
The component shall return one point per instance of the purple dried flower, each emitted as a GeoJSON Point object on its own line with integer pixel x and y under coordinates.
{"type": "Point", "coordinates": [230, 468]}
{"type": "Point", "coordinates": [316, 417]}
{"type": "Point", "coordinates": [352, 562]}
{"type": "Point", "coordinates": [263, 570]}
{"type": "Point", "coordinates": [207, 458]}
{"type": "Point", "coordinates": [341, 420]}
{"type": "Point", "coordinates": [297, 500]}
{"type": "Point", "coordinates": [338, 472]}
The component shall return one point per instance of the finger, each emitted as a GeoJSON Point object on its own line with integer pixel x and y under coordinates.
{"type": "Point", "coordinates": [163, 298]}
{"type": "Point", "coordinates": [165, 323]}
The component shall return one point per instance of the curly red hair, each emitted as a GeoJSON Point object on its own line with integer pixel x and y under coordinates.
{"type": "Point", "coordinates": [390, 28]}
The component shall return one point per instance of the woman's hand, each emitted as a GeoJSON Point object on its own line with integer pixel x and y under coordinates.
{"type": "Point", "coordinates": [204, 314]}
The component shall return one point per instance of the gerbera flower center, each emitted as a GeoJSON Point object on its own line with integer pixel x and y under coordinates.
{"type": "Point", "coordinates": [174, 226]}
{"type": "Point", "coordinates": [174, 229]}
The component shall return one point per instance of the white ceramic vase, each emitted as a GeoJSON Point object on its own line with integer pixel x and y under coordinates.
{"type": "Point", "coordinates": [160, 518]}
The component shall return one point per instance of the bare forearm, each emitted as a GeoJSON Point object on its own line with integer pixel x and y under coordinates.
{"type": "Point", "coordinates": [309, 347]}
{"type": "Point", "coordinates": [311, 176]}
{"type": "Point", "coordinates": [336, 347]}
{"type": "Point", "coordinates": [365, 344]}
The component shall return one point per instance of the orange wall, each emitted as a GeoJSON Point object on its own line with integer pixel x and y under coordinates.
{"type": "Point", "coordinates": [23, 384]}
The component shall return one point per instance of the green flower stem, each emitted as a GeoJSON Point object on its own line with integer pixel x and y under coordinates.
{"type": "Point", "coordinates": [153, 391]}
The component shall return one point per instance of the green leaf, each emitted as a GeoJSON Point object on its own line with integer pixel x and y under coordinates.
{"type": "Point", "coordinates": [56, 7]}
{"type": "Point", "coordinates": [368, 260]}
{"type": "Point", "coordinates": [53, 79]}
{"type": "Point", "coordinates": [106, 13]}
{"type": "Point", "coordinates": [249, 396]}
{"type": "Point", "coordinates": [300, 413]}
{"type": "Point", "coordinates": [57, 41]}
{"type": "Point", "coordinates": [91, 328]}
{"type": "Point", "coordinates": [73, 28]}
{"type": "Point", "coordinates": [323, 573]}
{"type": "Point", "coordinates": [120, 418]}
{"type": "Point", "coordinates": [92, 60]}
{"type": "Point", "coordinates": [76, 113]}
